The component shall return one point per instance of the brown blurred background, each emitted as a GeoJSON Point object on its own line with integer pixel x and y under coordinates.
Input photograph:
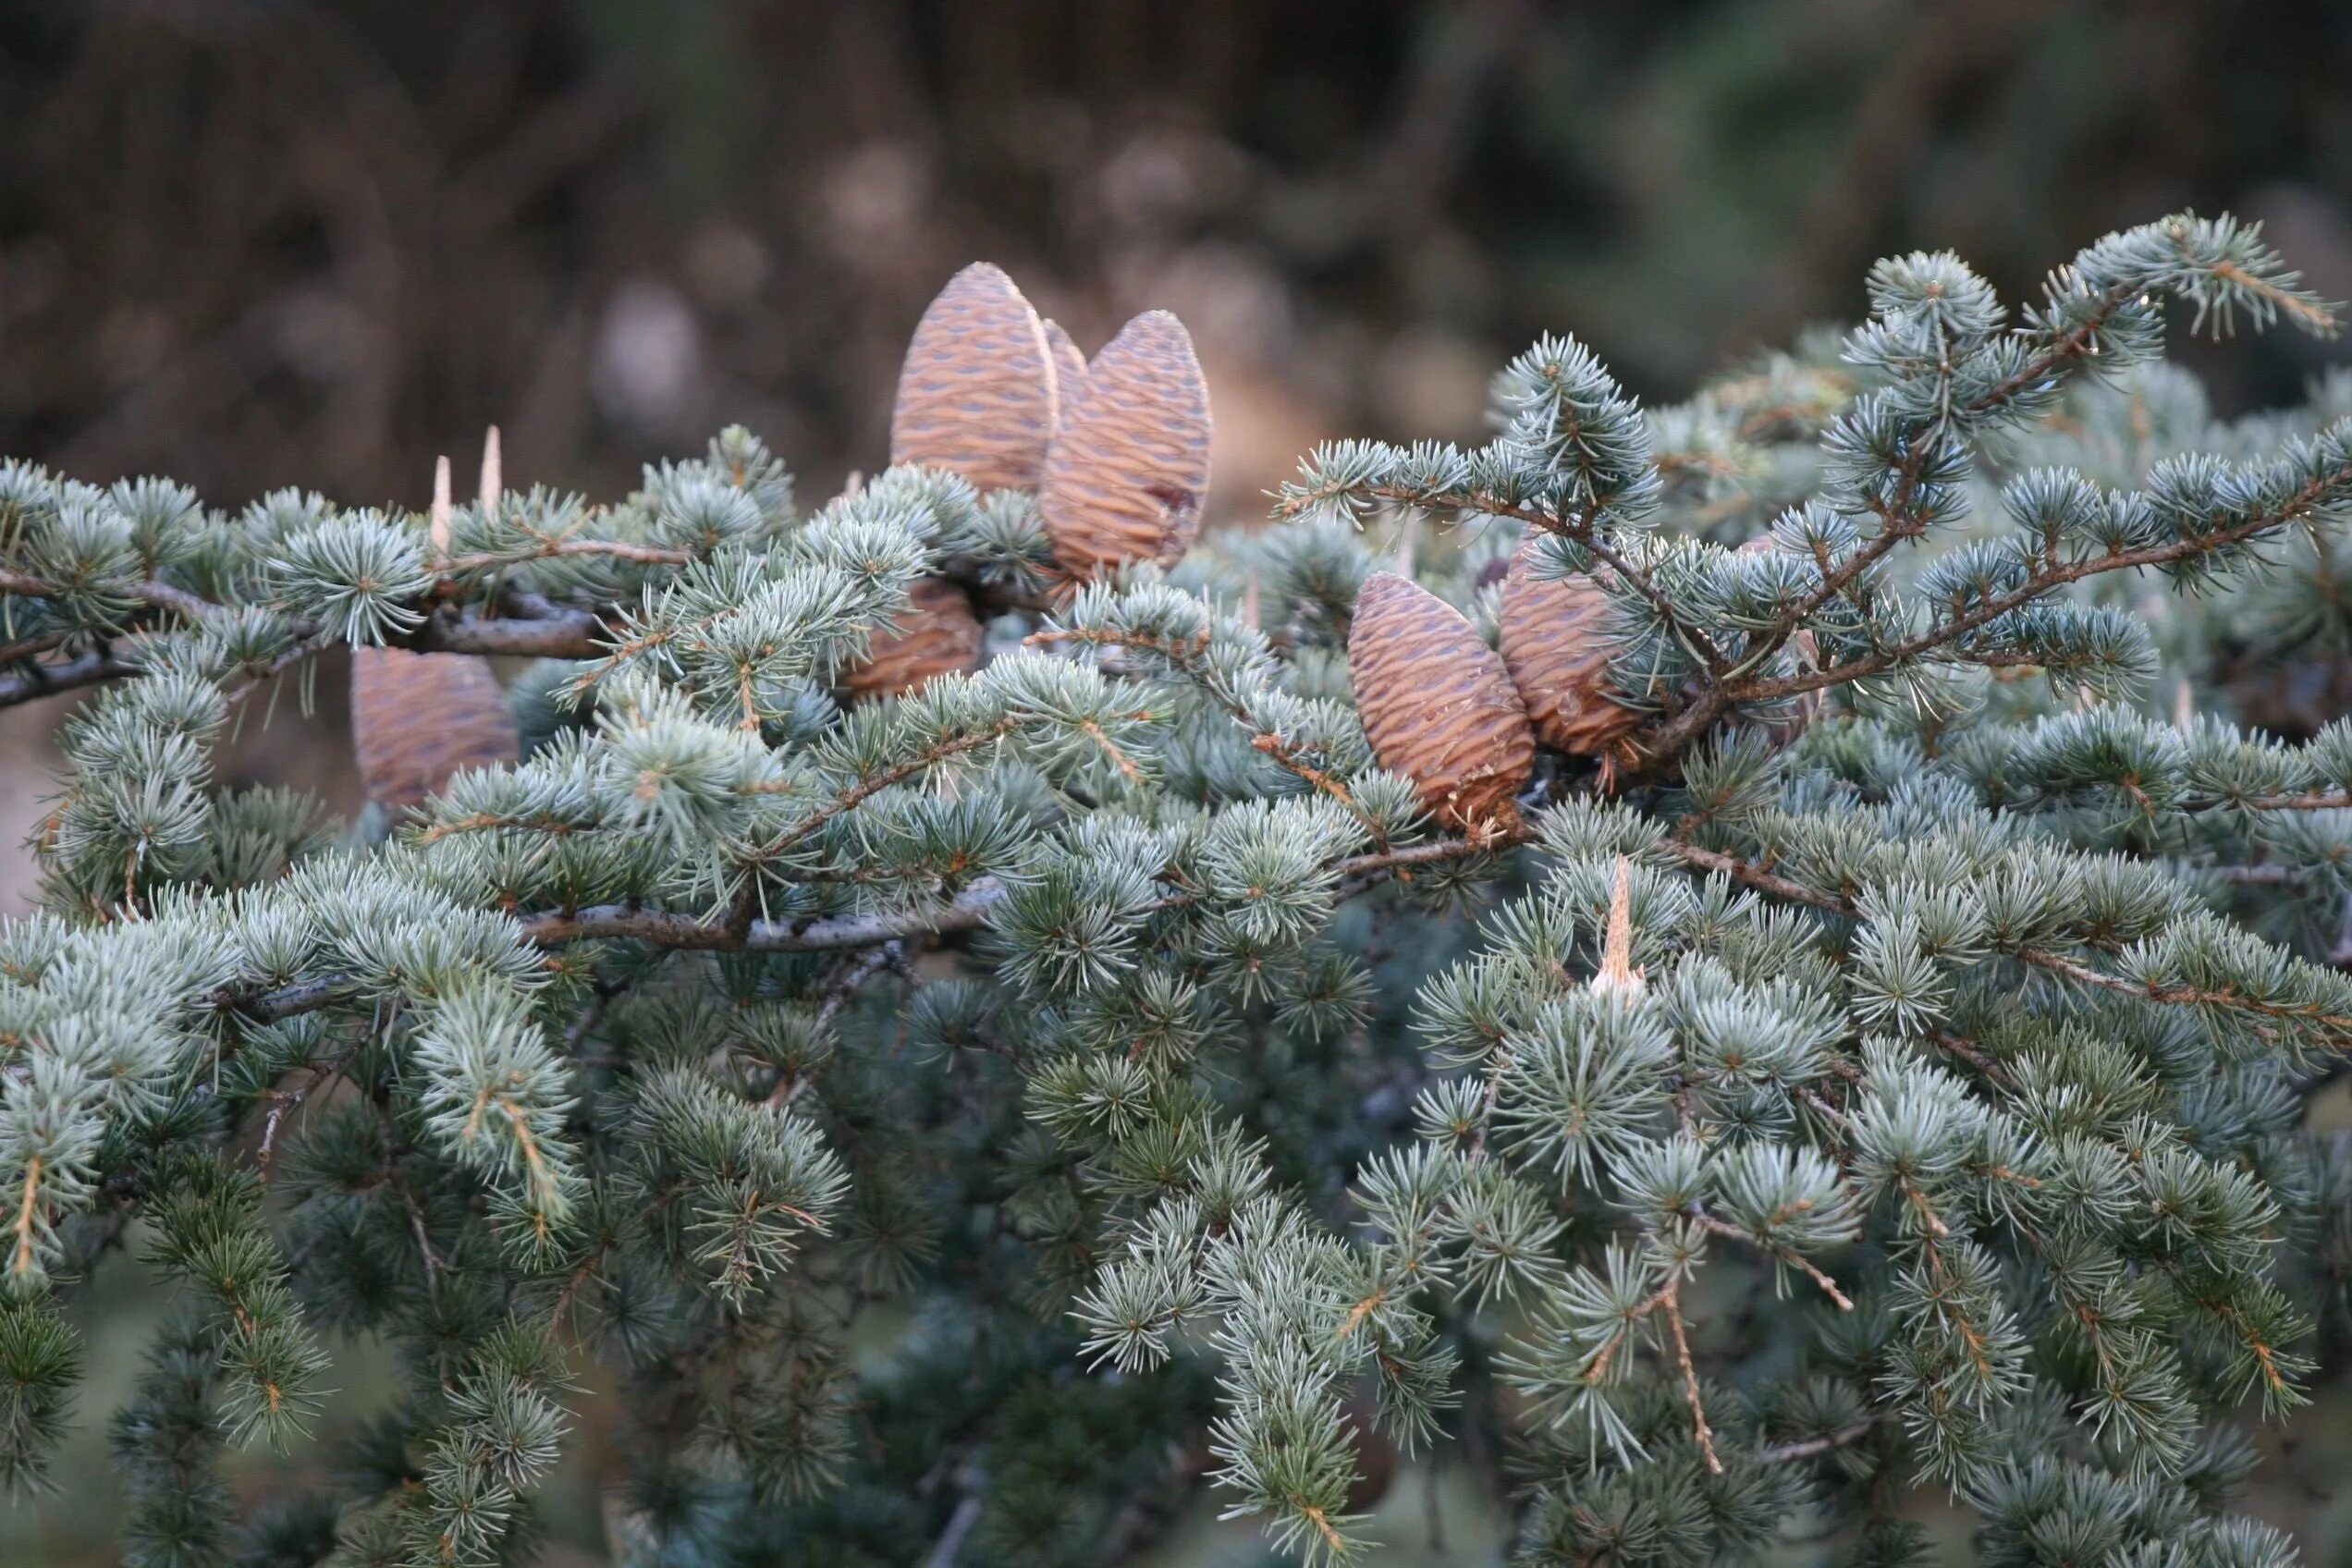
{"type": "Point", "coordinates": [251, 244]}
{"type": "Point", "coordinates": [258, 244]}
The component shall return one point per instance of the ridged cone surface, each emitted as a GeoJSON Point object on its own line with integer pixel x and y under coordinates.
{"type": "Point", "coordinates": [976, 391]}
{"type": "Point", "coordinates": [1128, 471]}
{"type": "Point", "coordinates": [1069, 368]}
{"type": "Point", "coordinates": [939, 635]}
{"type": "Point", "coordinates": [1437, 704]}
{"type": "Point", "coordinates": [417, 718]}
{"type": "Point", "coordinates": [1555, 644]}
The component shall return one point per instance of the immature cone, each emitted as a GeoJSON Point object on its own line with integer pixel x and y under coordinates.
{"type": "Point", "coordinates": [1555, 643]}
{"type": "Point", "coordinates": [1129, 468]}
{"type": "Point", "coordinates": [939, 635]}
{"type": "Point", "coordinates": [417, 718]}
{"type": "Point", "coordinates": [1617, 972]}
{"type": "Point", "coordinates": [976, 391]}
{"type": "Point", "coordinates": [1437, 705]}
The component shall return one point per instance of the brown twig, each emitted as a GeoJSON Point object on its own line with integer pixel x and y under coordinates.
{"type": "Point", "coordinates": [1673, 1308]}
{"type": "Point", "coordinates": [1813, 1448]}
{"type": "Point", "coordinates": [1795, 1260]}
{"type": "Point", "coordinates": [1967, 1051]}
{"type": "Point", "coordinates": [285, 1102]}
{"type": "Point", "coordinates": [1687, 726]}
{"type": "Point", "coordinates": [967, 911]}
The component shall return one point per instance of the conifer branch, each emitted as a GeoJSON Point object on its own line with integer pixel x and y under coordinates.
{"type": "Point", "coordinates": [2330, 489]}
{"type": "Point", "coordinates": [1814, 1448]}
{"type": "Point", "coordinates": [2322, 491]}
{"type": "Point", "coordinates": [1673, 1306]}
{"type": "Point", "coordinates": [46, 679]}
{"type": "Point", "coordinates": [1973, 1001]}
{"type": "Point", "coordinates": [966, 912]}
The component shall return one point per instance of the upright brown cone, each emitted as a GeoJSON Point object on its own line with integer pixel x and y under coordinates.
{"type": "Point", "coordinates": [1555, 644]}
{"type": "Point", "coordinates": [1437, 705]}
{"type": "Point", "coordinates": [976, 391]}
{"type": "Point", "coordinates": [417, 718]}
{"type": "Point", "coordinates": [937, 635]}
{"type": "Point", "coordinates": [1129, 468]}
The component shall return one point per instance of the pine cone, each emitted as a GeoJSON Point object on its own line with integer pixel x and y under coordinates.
{"type": "Point", "coordinates": [1437, 705]}
{"type": "Point", "coordinates": [1129, 468]}
{"type": "Point", "coordinates": [976, 391]}
{"type": "Point", "coordinates": [1555, 642]}
{"type": "Point", "coordinates": [419, 719]}
{"type": "Point", "coordinates": [1069, 368]}
{"type": "Point", "coordinates": [938, 634]}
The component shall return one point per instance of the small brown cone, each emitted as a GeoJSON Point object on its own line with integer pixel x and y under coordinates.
{"type": "Point", "coordinates": [417, 718]}
{"type": "Point", "coordinates": [976, 391]}
{"type": "Point", "coordinates": [1555, 642]}
{"type": "Point", "coordinates": [1128, 471]}
{"type": "Point", "coordinates": [937, 635]}
{"type": "Point", "coordinates": [1069, 368]}
{"type": "Point", "coordinates": [1437, 705]}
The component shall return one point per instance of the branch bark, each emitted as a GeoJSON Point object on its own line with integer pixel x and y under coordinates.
{"type": "Point", "coordinates": [546, 630]}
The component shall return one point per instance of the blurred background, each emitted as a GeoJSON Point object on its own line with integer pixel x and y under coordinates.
{"type": "Point", "coordinates": [258, 244]}
{"type": "Point", "coordinates": [254, 244]}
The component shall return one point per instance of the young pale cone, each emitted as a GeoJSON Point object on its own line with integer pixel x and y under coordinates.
{"type": "Point", "coordinates": [1555, 644]}
{"type": "Point", "coordinates": [938, 634]}
{"type": "Point", "coordinates": [977, 392]}
{"type": "Point", "coordinates": [1438, 704]}
{"type": "Point", "coordinates": [1128, 469]}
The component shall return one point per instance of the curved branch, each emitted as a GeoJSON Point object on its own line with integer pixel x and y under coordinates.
{"type": "Point", "coordinates": [967, 911]}
{"type": "Point", "coordinates": [46, 679]}
{"type": "Point", "coordinates": [663, 928]}
{"type": "Point", "coordinates": [561, 633]}
{"type": "Point", "coordinates": [556, 633]}
{"type": "Point", "coordinates": [1686, 727]}
{"type": "Point", "coordinates": [1813, 1448]}
{"type": "Point", "coordinates": [1765, 881]}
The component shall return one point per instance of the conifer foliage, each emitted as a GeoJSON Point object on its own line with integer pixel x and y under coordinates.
{"type": "Point", "coordinates": [955, 1087]}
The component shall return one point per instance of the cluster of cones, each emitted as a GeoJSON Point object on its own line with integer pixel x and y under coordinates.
{"type": "Point", "coordinates": [1462, 722]}
{"type": "Point", "coordinates": [1116, 449]}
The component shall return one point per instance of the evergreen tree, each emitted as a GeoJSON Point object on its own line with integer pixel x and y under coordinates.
{"type": "Point", "coordinates": [1176, 1014]}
